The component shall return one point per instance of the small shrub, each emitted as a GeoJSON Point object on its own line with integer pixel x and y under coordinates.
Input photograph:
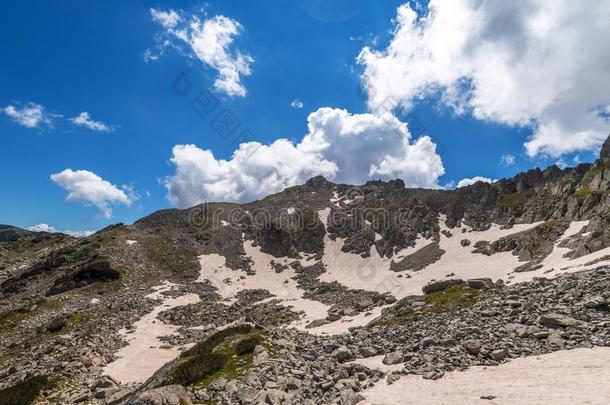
{"type": "Point", "coordinates": [24, 392]}
{"type": "Point", "coordinates": [208, 345]}
{"type": "Point", "coordinates": [197, 367]}
{"type": "Point", "coordinates": [247, 345]}
{"type": "Point", "coordinates": [582, 192]}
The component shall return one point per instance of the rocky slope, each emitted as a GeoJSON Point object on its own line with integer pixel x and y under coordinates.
{"type": "Point", "coordinates": [329, 278]}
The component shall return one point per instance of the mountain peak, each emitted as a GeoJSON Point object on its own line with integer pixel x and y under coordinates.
{"type": "Point", "coordinates": [317, 182]}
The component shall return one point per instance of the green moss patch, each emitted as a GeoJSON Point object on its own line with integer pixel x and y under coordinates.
{"type": "Point", "coordinates": [247, 345]}
{"type": "Point", "coordinates": [10, 319]}
{"type": "Point", "coordinates": [452, 298]}
{"type": "Point", "coordinates": [166, 256]}
{"type": "Point", "coordinates": [221, 354]}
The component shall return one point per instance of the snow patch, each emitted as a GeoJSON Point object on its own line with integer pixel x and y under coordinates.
{"type": "Point", "coordinates": [229, 282]}
{"type": "Point", "coordinates": [565, 377]}
{"type": "Point", "coordinates": [373, 273]}
{"type": "Point", "coordinates": [376, 363]}
{"type": "Point", "coordinates": [143, 354]}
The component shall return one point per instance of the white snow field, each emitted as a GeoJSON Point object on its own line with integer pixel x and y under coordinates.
{"type": "Point", "coordinates": [566, 377]}
{"type": "Point", "coordinates": [145, 353]}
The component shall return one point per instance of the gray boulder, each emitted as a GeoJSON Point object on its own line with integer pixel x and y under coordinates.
{"type": "Point", "coordinates": [554, 319]}
{"type": "Point", "coordinates": [472, 346]}
{"type": "Point", "coordinates": [392, 358]}
{"type": "Point", "coordinates": [480, 283]}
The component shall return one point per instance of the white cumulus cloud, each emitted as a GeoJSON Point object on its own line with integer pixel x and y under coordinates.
{"type": "Point", "coordinates": [210, 40]}
{"type": "Point", "coordinates": [344, 147]}
{"type": "Point", "coordinates": [470, 181]}
{"type": "Point", "coordinates": [31, 115]}
{"type": "Point", "coordinates": [89, 188]}
{"type": "Point", "coordinates": [529, 63]}
{"type": "Point", "coordinates": [42, 227]}
{"type": "Point", "coordinates": [167, 19]}
{"type": "Point", "coordinates": [78, 234]}
{"type": "Point", "coordinates": [84, 120]}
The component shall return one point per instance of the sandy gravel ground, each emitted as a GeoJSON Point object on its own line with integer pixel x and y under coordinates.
{"type": "Point", "coordinates": [567, 377]}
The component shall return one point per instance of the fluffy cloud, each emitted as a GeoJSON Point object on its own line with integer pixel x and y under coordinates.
{"type": "Point", "coordinates": [167, 19]}
{"type": "Point", "coordinates": [84, 120]}
{"type": "Point", "coordinates": [209, 41]}
{"type": "Point", "coordinates": [468, 182]}
{"type": "Point", "coordinates": [89, 188]}
{"type": "Point", "coordinates": [78, 234]}
{"type": "Point", "coordinates": [344, 147]}
{"type": "Point", "coordinates": [42, 228]}
{"type": "Point", "coordinates": [48, 228]}
{"type": "Point", "coordinates": [530, 63]}
{"type": "Point", "coordinates": [31, 115]}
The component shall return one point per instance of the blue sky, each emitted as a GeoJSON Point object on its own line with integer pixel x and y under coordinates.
{"type": "Point", "coordinates": [72, 57]}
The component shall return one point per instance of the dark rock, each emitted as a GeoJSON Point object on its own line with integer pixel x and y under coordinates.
{"type": "Point", "coordinates": [480, 283]}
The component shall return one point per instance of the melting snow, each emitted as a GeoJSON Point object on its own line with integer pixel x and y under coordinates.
{"type": "Point", "coordinates": [566, 377]}
{"type": "Point", "coordinates": [143, 354]}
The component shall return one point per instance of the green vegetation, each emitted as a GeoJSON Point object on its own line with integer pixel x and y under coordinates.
{"type": "Point", "coordinates": [198, 367]}
{"type": "Point", "coordinates": [10, 319]}
{"type": "Point", "coordinates": [583, 192]}
{"type": "Point", "coordinates": [209, 344]}
{"type": "Point", "coordinates": [24, 392]}
{"type": "Point", "coordinates": [159, 251]}
{"type": "Point", "coordinates": [545, 228]}
{"type": "Point", "coordinates": [247, 345]}
{"type": "Point", "coordinates": [204, 361]}
{"type": "Point", "coordinates": [513, 200]}
{"type": "Point", "coordinates": [454, 297]}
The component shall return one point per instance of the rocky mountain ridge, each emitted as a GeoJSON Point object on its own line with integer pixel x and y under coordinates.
{"type": "Point", "coordinates": [324, 274]}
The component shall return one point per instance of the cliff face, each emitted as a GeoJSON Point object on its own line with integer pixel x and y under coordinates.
{"type": "Point", "coordinates": [605, 152]}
